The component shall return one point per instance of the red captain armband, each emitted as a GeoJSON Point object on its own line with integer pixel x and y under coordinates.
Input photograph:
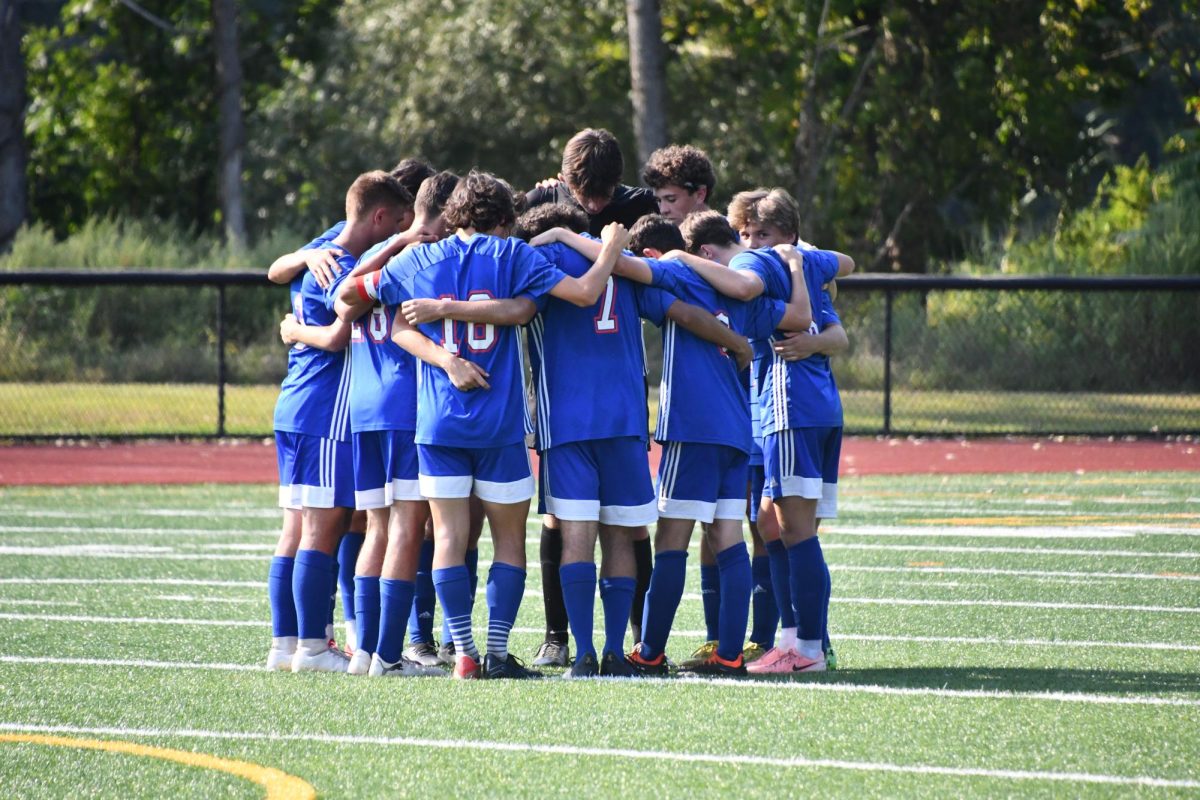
{"type": "Point", "coordinates": [365, 285]}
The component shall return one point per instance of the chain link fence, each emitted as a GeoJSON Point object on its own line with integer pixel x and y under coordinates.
{"type": "Point", "coordinates": [158, 354]}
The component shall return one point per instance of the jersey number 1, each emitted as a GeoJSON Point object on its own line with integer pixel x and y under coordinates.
{"type": "Point", "coordinates": [606, 320]}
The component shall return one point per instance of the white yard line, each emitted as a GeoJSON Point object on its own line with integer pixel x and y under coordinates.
{"type": "Point", "coordinates": [797, 762]}
{"type": "Point", "coordinates": [132, 582]}
{"type": "Point", "coordinates": [270, 532]}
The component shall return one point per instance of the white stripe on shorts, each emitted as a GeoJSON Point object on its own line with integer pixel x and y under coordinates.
{"type": "Point", "coordinates": [629, 516]}
{"type": "Point", "coordinates": [404, 490]}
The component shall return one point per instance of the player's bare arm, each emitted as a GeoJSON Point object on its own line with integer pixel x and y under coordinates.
{"type": "Point", "coordinates": [738, 284]}
{"type": "Point", "coordinates": [627, 266]}
{"type": "Point", "coordinates": [797, 346]}
{"type": "Point", "coordinates": [465, 375]}
{"type": "Point", "coordinates": [585, 290]}
{"type": "Point", "coordinates": [417, 234]}
{"type": "Point", "coordinates": [331, 338]}
{"type": "Point", "coordinates": [702, 324]}
{"type": "Point", "coordinates": [356, 296]}
{"type": "Point", "coordinates": [505, 311]}
{"type": "Point", "coordinates": [798, 313]}
{"type": "Point", "coordinates": [321, 262]}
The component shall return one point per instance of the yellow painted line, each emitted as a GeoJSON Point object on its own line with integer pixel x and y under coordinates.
{"type": "Point", "coordinates": [279, 785]}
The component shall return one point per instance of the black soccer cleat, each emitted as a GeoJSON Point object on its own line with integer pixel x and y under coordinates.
{"type": "Point", "coordinates": [614, 666]}
{"type": "Point", "coordinates": [511, 667]}
{"type": "Point", "coordinates": [585, 667]}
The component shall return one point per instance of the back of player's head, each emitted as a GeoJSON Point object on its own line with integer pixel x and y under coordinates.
{"type": "Point", "coordinates": [434, 193]}
{"type": "Point", "coordinates": [766, 207]}
{"type": "Point", "coordinates": [592, 163]}
{"type": "Point", "coordinates": [412, 172]}
{"type": "Point", "coordinates": [540, 219]}
{"type": "Point", "coordinates": [656, 232]}
{"type": "Point", "coordinates": [707, 227]}
{"type": "Point", "coordinates": [372, 190]}
{"type": "Point", "coordinates": [480, 201]}
{"type": "Point", "coordinates": [680, 165]}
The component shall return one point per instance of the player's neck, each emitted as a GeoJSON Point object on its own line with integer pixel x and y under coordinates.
{"type": "Point", "coordinates": [355, 238]}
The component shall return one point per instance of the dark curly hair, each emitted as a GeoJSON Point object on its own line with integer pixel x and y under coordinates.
{"type": "Point", "coordinates": [680, 165]}
{"type": "Point", "coordinates": [656, 231]}
{"type": "Point", "coordinates": [540, 219]}
{"type": "Point", "coordinates": [707, 227]}
{"type": "Point", "coordinates": [480, 201]}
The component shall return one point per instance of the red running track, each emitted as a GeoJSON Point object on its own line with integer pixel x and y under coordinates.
{"type": "Point", "coordinates": [254, 461]}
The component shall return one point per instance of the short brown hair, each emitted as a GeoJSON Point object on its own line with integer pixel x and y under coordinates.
{"type": "Point", "coordinates": [412, 172]}
{"type": "Point", "coordinates": [540, 219]}
{"type": "Point", "coordinates": [480, 201]}
{"type": "Point", "coordinates": [592, 163]}
{"type": "Point", "coordinates": [372, 190]}
{"type": "Point", "coordinates": [435, 191]}
{"type": "Point", "coordinates": [771, 207]}
{"type": "Point", "coordinates": [684, 166]}
{"type": "Point", "coordinates": [707, 227]}
{"type": "Point", "coordinates": [655, 230]}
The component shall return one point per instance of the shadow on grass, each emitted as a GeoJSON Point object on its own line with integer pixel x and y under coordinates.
{"type": "Point", "coordinates": [1020, 679]}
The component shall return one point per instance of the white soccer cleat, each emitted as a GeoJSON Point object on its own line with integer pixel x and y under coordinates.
{"type": "Point", "coordinates": [360, 663]}
{"type": "Point", "coordinates": [402, 669]}
{"type": "Point", "coordinates": [279, 657]}
{"type": "Point", "coordinates": [324, 660]}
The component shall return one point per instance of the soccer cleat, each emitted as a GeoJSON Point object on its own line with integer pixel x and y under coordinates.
{"type": "Point", "coordinates": [615, 666]}
{"type": "Point", "coordinates": [585, 667]}
{"type": "Point", "coordinates": [766, 660]}
{"type": "Point", "coordinates": [446, 654]}
{"type": "Point", "coordinates": [327, 660]}
{"type": "Point", "coordinates": [495, 667]}
{"type": "Point", "coordinates": [656, 666]}
{"type": "Point", "coordinates": [699, 656]}
{"type": "Point", "coordinates": [404, 668]}
{"type": "Point", "coordinates": [789, 663]}
{"type": "Point", "coordinates": [360, 662]}
{"type": "Point", "coordinates": [552, 654]}
{"type": "Point", "coordinates": [279, 657]}
{"type": "Point", "coordinates": [467, 668]}
{"type": "Point", "coordinates": [830, 660]}
{"type": "Point", "coordinates": [753, 652]}
{"type": "Point", "coordinates": [719, 667]}
{"type": "Point", "coordinates": [424, 653]}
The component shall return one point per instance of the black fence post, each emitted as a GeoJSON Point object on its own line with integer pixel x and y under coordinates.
{"type": "Point", "coordinates": [220, 359]}
{"type": "Point", "coordinates": [887, 362]}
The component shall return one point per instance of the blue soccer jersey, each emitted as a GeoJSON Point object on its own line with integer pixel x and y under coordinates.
{"type": "Point", "coordinates": [383, 376]}
{"type": "Point", "coordinates": [588, 363]}
{"type": "Point", "coordinates": [702, 398]}
{"type": "Point", "coordinates": [314, 397]}
{"type": "Point", "coordinates": [793, 394]}
{"type": "Point", "coordinates": [482, 267]}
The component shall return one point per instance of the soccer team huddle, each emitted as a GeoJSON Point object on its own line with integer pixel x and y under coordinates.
{"type": "Point", "coordinates": [405, 421]}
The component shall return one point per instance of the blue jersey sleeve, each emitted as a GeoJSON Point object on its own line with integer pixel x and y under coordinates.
{"type": "Point", "coordinates": [769, 268]}
{"type": "Point", "coordinates": [327, 236]}
{"type": "Point", "coordinates": [763, 316]}
{"type": "Point", "coordinates": [653, 303]}
{"type": "Point", "coordinates": [533, 275]}
{"type": "Point", "coordinates": [391, 289]}
{"type": "Point", "coordinates": [823, 262]}
{"type": "Point", "coordinates": [828, 315]}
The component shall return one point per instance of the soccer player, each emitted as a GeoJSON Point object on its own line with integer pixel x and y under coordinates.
{"type": "Point", "coordinates": [312, 441]}
{"type": "Point", "coordinates": [682, 179]}
{"type": "Point", "coordinates": [801, 418]}
{"type": "Point", "coordinates": [588, 365]}
{"type": "Point", "coordinates": [471, 413]}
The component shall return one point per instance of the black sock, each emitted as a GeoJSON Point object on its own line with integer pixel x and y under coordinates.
{"type": "Point", "coordinates": [550, 549]}
{"type": "Point", "coordinates": [645, 563]}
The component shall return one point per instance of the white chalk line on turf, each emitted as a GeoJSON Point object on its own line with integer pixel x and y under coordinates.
{"type": "Point", "coordinates": [133, 582]}
{"type": "Point", "coordinates": [798, 762]}
{"type": "Point", "coordinates": [192, 532]}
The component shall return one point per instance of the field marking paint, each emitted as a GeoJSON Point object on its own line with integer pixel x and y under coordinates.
{"type": "Point", "coordinates": [1027, 573]}
{"type": "Point", "coordinates": [191, 598]}
{"type": "Point", "coordinates": [1036, 551]}
{"type": "Point", "coordinates": [799, 762]}
{"type": "Point", "coordinates": [232, 513]}
{"type": "Point", "coordinates": [1040, 532]}
{"type": "Point", "coordinates": [132, 582]}
{"type": "Point", "coordinates": [797, 685]}
{"type": "Point", "coordinates": [279, 785]}
{"type": "Point", "coordinates": [142, 531]}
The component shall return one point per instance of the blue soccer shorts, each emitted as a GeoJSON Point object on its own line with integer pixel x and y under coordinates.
{"type": "Point", "coordinates": [314, 472]}
{"type": "Point", "coordinates": [803, 462]}
{"type": "Point", "coordinates": [702, 481]}
{"type": "Point", "coordinates": [757, 479]}
{"type": "Point", "coordinates": [599, 480]}
{"type": "Point", "coordinates": [495, 474]}
{"type": "Point", "coordinates": [385, 469]}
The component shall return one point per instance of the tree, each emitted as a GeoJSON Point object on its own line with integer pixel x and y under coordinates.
{"type": "Point", "coordinates": [12, 124]}
{"type": "Point", "coordinates": [231, 135]}
{"type": "Point", "coordinates": [648, 75]}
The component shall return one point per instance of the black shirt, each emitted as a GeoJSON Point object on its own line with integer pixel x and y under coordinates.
{"type": "Point", "coordinates": [628, 204]}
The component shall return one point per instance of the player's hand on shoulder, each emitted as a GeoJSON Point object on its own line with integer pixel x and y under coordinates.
{"type": "Point", "coordinates": [322, 263]}
{"type": "Point", "coordinates": [549, 183]}
{"type": "Point", "coordinates": [422, 310]}
{"type": "Point", "coordinates": [466, 375]}
{"type": "Point", "coordinates": [287, 329]}
{"type": "Point", "coordinates": [787, 250]}
{"type": "Point", "coordinates": [615, 232]}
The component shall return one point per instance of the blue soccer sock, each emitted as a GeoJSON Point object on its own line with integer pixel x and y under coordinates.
{"type": "Point", "coordinates": [505, 588]}
{"type": "Point", "coordinates": [311, 579]}
{"type": "Point", "coordinates": [766, 612]}
{"type": "Point", "coordinates": [781, 582]}
{"type": "Point", "coordinates": [825, 609]}
{"type": "Point", "coordinates": [453, 586]}
{"type": "Point", "coordinates": [366, 612]}
{"type": "Point", "coordinates": [395, 601]}
{"type": "Point", "coordinates": [807, 564]}
{"type": "Point", "coordinates": [616, 594]}
{"type": "Point", "coordinates": [662, 599]}
{"type": "Point", "coordinates": [734, 565]}
{"type": "Point", "coordinates": [347, 559]}
{"type": "Point", "coordinates": [279, 593]}
{"type": "Point", "coordinates": [420, 621]}
{"type": "Point", "coordinates": [579, 596]}
{"type": "Point", "coordinates": [472, 563]}
{"type": "Point", "coordinates": [710, 594]}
